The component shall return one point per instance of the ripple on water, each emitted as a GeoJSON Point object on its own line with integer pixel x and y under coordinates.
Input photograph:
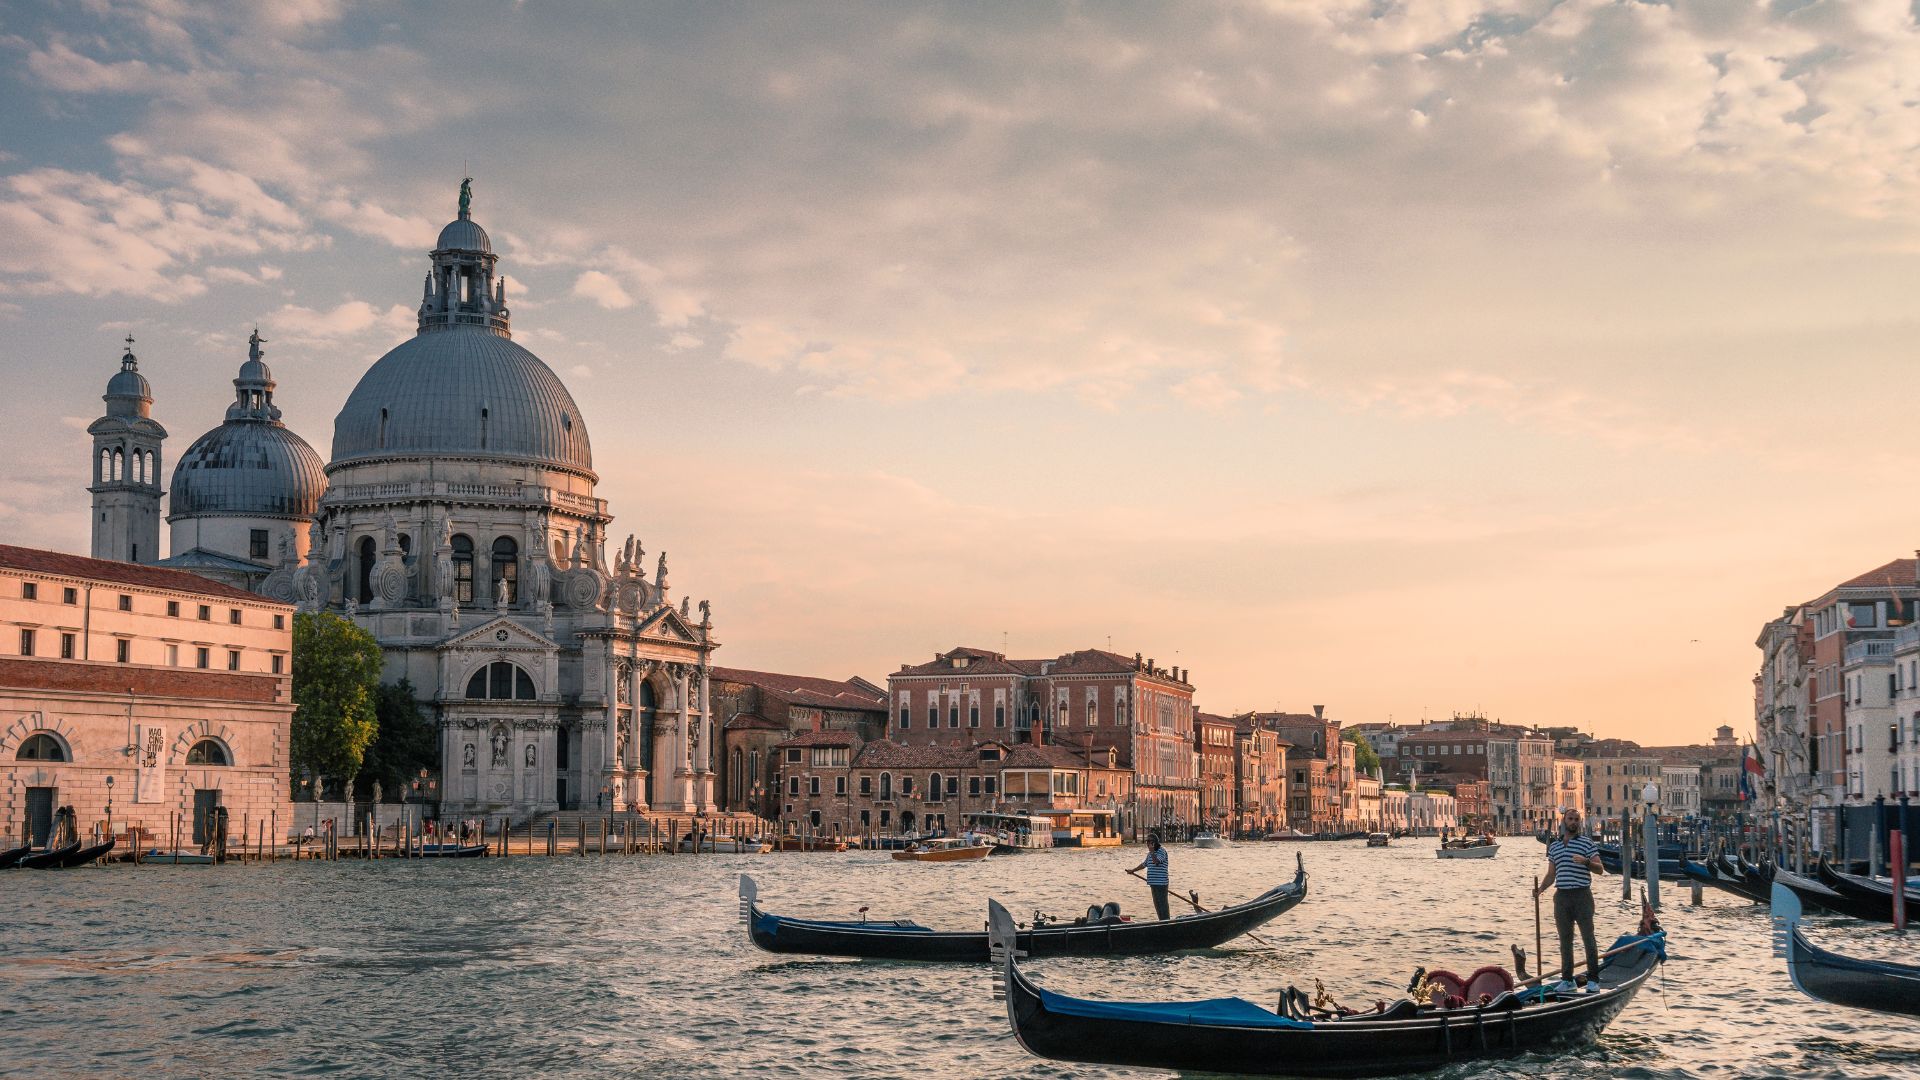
{"type": "Point", "coordinates": [639, 967]}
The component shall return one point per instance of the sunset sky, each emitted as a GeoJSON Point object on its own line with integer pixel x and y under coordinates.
{"type": "Point", "coordinates": [1405, 358]}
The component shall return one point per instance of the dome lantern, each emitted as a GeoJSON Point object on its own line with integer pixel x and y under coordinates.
{"type": "Point", "coordinates": [460, 288]}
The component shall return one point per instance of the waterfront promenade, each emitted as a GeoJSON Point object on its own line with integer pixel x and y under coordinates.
{"type": "Point", "coordinates": [639, 967]}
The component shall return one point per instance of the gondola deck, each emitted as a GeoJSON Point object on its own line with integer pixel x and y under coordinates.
{"type": "Point", "coordinates": [1238, 1036]}
{"type": "Point", "coordinates": [901, 940]}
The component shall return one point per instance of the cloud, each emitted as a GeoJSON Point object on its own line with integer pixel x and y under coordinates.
{"type": "Point", "coordinates": [601, 289]}
{"type": "Point", "coordinates": [303, 325]}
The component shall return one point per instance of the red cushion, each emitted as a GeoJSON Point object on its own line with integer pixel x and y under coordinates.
{"type": "Point", "coordinates": [1492, 980]}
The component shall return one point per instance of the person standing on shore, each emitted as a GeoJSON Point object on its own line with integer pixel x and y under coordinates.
{"type": "Point", "coordinates": [1155, 864]}
{"type": "Point", "coordinates": [1573, 858]}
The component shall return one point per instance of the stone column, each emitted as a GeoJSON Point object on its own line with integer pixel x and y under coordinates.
{"type": "Point", "coordinates": [684, 775]}
{"type": "Point", "coordinates": [709, 735]}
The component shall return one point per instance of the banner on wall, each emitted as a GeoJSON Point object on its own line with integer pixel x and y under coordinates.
{"type": "Point", "coordinates": [150, 774]}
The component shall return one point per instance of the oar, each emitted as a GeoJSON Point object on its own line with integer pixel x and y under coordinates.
{"type": "Point", "coordinates": [1542, 977]}
{"type": "Point", "coordinates": [1193, 898]}
{"type": "Point", "coordinates": [1539, 945]}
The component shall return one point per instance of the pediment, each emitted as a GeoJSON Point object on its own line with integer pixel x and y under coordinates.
{"type": "Point", "coordinates": [667, 625]}
{"type": "Point", "coordinates": [499, 633]}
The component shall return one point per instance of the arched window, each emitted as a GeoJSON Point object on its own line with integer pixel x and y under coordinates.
{"type": "Point", "coordinates": [367, 557]}
{"type": "Point", "coordinates": [208, 752]}
{"type": "Point", "coordinates": [736, 783]}
{"type": "Point", "coordinates": [382, 444]}
{"type": "Point", "coordinates": [106, 465]}
{"type": "Point", "coordinates": [500, 681]}
{"type": "Point", "coordinates": [886, 785]}
{"type": "Point", "coordinates": [1093, 712]}
{"type": "Point", "coordinates": [119, 465]}
{"type": "Point", "coordinates": [934, 788]}
{"type": "Point", "coordinates": [463, 569]}
{"type": "Point", "coordinates": [506, 568]}
{"type": "Point", "coordinates": [41, 747]}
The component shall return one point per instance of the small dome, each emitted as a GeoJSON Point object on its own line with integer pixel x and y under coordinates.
{"type": "Point", "coordinates": [128, 382]}
{"type": "Point", "coordinates": [255, 371]}
{"type": "Point", "coordinates": [248, 468]}
{"type": "Point", "coordinates": [462, 392]}
{"type": "Point", "coordinates": [463, 234]}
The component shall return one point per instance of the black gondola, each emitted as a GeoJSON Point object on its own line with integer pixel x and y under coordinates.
{"type": "Point", "coordinates": [1233, 1035]}
{"type": "Point", "coordinates": [83, 856]}
{"type": "Point", "coordinates": [1812, 892]}
{"type": "Point", "coordinates": [9, 858]}
{"type": "Point", "coordinates": [50, 857]}
{"type": "Point", "coordinates": [904, 940]}
{"type": "Point", "coordinates": [1712, 874]}
{"type": "Point", "coordinates": [1840, 980]}
{"type": "Point", "coordinates": [449, 851]}
{"type": "Point", "coordinates": [1875, 896]}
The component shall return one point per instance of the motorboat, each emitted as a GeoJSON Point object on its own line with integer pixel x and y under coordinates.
{"type": "Point", "coordinates": [943, 851]}
{"type": "Point", "coordinates": [1468, 847]}
{"type": "Point", "coordinates": [1209, 839]}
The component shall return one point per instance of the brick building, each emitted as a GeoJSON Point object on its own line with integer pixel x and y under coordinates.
{"type": "Point", "coordinates": [1260, 776]}
{"type": "Point", "coordinates": [1316, 801]}
{"type": "Point", "coordinates": [1216, 742]}
{"type": "Point", "coordinates": [758, 710]}
{"type": "Point", "coordinates": [156, 690]}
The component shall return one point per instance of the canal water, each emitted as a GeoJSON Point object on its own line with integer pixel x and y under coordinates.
{"type": "Point", "coordinates": [638, 966]}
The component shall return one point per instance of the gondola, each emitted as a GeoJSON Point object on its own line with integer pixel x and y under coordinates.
{"type": "Point", "coordinates": [1670, 868]}
{"type": "Point", "coordinates": [84, 855]}
{"type": "Point", "coordinates": [1812, 892]}
{"type": "Point", "coordinates": [14, 855]}
{"type": "Point", "coordinates": [1840, 980]}
{"type": "Point", "coordinates": [449, 851]}
{"type": "Point", "coordinates": [51, 857]}
{"type": "Point", "coordinates": [1873, 895]}
{"type": "Point", "coordinates": [1710, 874]}
{"type": "Point", "coordinates": [1233, 1035]}
{"type": "Point", "coordinates": [1106, 935]}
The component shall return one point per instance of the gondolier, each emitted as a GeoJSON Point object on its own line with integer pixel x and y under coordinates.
{"type": "Point", "coordinates": [1155, 864]}
{"type": "Point", "coordinates": [1575, 858]}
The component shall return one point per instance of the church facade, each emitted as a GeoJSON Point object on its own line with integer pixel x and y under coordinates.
{"type": "Point", "coordinates": [456, 520]}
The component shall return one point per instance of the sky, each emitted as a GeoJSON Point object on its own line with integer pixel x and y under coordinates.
{"type": "Point", "coordinates": [1520, 358]}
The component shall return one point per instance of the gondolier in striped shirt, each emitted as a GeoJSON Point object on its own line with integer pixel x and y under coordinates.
{"type": "Point", "coordinates": [1574, 859]}
{"type": "Point", "coordinates": [1155, 864]}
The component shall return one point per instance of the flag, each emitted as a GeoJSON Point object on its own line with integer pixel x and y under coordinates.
{"type": "Point", "coordinates": [1750, 768]}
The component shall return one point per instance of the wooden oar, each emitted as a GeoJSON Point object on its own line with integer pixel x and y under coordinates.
{"type": "Point", "coordinates": [1542, 977]}
{"type": "Point", "coordinates": [1193, 898]}
{"type": "Point", "coordinates": [1539, 943]}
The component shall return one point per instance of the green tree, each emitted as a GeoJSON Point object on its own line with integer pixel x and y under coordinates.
{"type": "Point", "coordinates": [405, 744]}
{"type": "Point", "coordinates": [1364, 758]}
{"type": "Point", "coordinates": [336, 676]}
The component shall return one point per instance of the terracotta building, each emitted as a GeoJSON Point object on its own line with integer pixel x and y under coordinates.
{"type": "Point", "coordinates": [1260, 776]}
{"type": "Point", "coordinates": [758, 710]}
{"type": "Point", "coordinates": [154, 691]}
{"type": "Point", "coordinates": [1317, 801]}
{"type": "Point", "coordinates": [1215, 740]}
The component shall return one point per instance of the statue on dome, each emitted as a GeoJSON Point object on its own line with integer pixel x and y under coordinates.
{"type": "Point", "coordinates": [466, 196]}
{"type": "Point", "coordinates": [253, 344]}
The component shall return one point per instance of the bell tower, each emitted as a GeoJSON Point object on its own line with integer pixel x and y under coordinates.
{"type": "Point", "coordinates": [126, 468]}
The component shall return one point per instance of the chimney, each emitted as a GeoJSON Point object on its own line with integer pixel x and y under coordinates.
{"type": "Point", "coordinates": [1319, 712]}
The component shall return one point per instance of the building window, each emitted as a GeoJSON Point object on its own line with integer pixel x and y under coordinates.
{"type": "Point", "coordinates": [973, 715]}
{"type": "Point", "coordinates": [279, 664]}
{"type": "Point", "coordinates": [208, 752]}
{"type": "Point", "coordinates": [501, 681]}
{"type": "Point", "coordinates": [257, 543]}
{"type": "Point", "coordinates": [29, 590]}
{"type": "Point", "coordinates": [1093, 713]}
{"type": "Point", "coordinates": [933, 714]}
{"type": "Point", "coordinates": [368, 556]}
{"type": "Point", "coordinates": [506, 570]}
{"type": "Point", "coordinates": [906, 785]}
{"type": "Point", "coordinates": [126, 603]}
{"type": "Point", "coordinates": [953, 713]}
{"type": "Point", "coordinates": [66, 646]}
{"type": "Point", "coordinates": [26, 643]}
{"type": "Point", "coordinates": [866, 785]}
{"type": "Point", "coordinates": [41, 747]}
{"type": "Point", "coordinates": [70, 596]}
{"type": "Point", "coordinates": [173, 656]}
{"type": "Point", "coordinates": [793, 756]}
{"type": "Point", "coordinates": [204, 657]}
{"type": "Point", "coordinates": [233, 659]}
{"type": "Point", "coordinates": [886, 793]}
{"type": "Point", "coordinates": [233, 616]}
{"type": "Point", "coordinates": [839, 785]}
{"type": "Point", "coordinates": [463, 570]}
{"type": "Point", "coordinates": [973, 786]}
{"type": "Point", "coordinates": [999, 715]}
{"type": "Point", "coordinates": [992, 784]}
{"type": "Point", "coordinates": [906, 718]}
{"type": "Point", "coordinates": [813, 816]}
{"type": "Point", "coordinates": [173, 609]}
{"type": "Point", "coordinates": [206, 613]}
{"type": "Point", "coordinates": [279, 622]}
{"type": "Point", "coordinates": [793, 785]}
{"type": "Point", "coordinates": [813, 785]}
{"type": "Point", "coordinates": [934, 788]}
{"type": "Point", "coordinates": [953, 785]}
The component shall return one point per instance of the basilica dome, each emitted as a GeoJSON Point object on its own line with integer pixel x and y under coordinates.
{"type": "Point", "coordinates": [251, 465]}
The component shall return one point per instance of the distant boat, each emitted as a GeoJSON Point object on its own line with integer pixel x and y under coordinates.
{"type": "Point", "coordinates": [50, 857]}
{"type": "Point", "coordinates": [944, 851]}
{"type": "Point", "coordinates": [1378, 839]}
{"type": "Point", "coordinates": [449, 851]}
{"type": "Point", "coordinates": [175, 858]}
{"type": "Point", "coordinates": [1209, 839]}
{"type": "Point", "coordinates": [726, 845]}
{"type": "Point", "coordinates": [809, 843]}
{"type": "Point", "coordinates": [1469, 847]}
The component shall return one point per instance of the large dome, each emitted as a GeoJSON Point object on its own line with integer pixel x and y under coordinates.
{"type": "Point", "coordinates": [461, 392]}
{"type": "Point", "coordinates": [248, 468]}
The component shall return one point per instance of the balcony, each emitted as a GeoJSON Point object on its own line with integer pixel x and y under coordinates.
{"type": "Point", "coordinates": [1876, 651]}
{"type": "Point", "coordinates": [1906, 637]}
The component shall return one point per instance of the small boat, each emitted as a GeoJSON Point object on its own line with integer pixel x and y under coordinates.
{"type": "Point", "coordinates": [1874, 897]}
{"type": "Point", "coordinates": [1111, 934]}
{"type": "Point", "coordinates": [955, 850]}
{"type": "Point", "coordinates": [1234, 1035]}
{"type": "Point", "coordinates": [449, 851]}
{"type": "Point", "coordinates": [175, 858]}
{"type": "Point", "coordinates": [725, 845]}
{"type": "Point", "coordinates": [48, 858]}
{"type": "Point", "coordinates": [85, 855]}
{"type": "Point", "coordinates": [1840, 980]}
{"type": "Point", "coordinates": [13, 855]}
{"type": "Point", "coordinates": [1469, 847]}
{"type": "Point", "coordinates": [1209, 839]}
{"type": "Point", "coordinates": [1713, 873]}
{"type": "Point", "coordinates": [1378, 839]}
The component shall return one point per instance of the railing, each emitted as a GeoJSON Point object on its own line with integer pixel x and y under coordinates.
{"type": "Point", "coordinates": [516, 493]}
{"type": "Point", "coordinates": [1863, 651]}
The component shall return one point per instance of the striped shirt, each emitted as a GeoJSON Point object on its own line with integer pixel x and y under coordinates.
{"type": "Point", "coordinates": [1157, 867]}
{"type": "Point", "coordinates": [1569, 859]}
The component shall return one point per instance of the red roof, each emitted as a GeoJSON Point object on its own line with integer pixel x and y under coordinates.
{"type": "Point", "coordinates": [1897, 572]}
{"type": "Point", "coordinates": [893, 755]}
{"type": "Point", "coordinates": [823, 738]}
{"type": "Point", "coordinates": [1052, 756]}
{"type": "Point", "coordinates": [753, 722]}
{"type": "Point", "coordinates": [849, 694]}
{"type": "Point", "coordinates": [60, 564]}
{"type": "Point", "coordinates": [979, 662]}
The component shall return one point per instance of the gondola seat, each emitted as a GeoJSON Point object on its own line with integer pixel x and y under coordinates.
{"type": "Point", "coordinates": [1491, 981]}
